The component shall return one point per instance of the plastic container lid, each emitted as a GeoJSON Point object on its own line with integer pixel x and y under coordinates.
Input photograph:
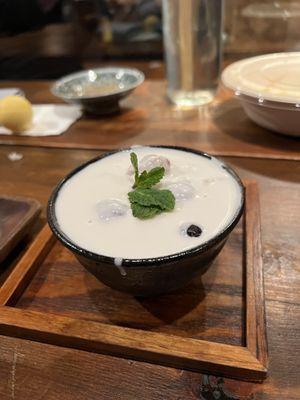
{"type": "Point", "coordinates": [276, 9]}
{"type": "Point", "coordinates": [268, 78]}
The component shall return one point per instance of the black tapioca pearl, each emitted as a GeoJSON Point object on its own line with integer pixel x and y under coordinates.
{"type": "Point", "coordinates": [194, 231]}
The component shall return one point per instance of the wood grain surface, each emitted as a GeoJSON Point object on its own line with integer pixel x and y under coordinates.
{"type": "Point", "coordinates": [147, 118]}
{"type": "Point", "coordinates": [21, 276]}
{"type": "Point", "coordinates": [141, 340]}
{"type": "Point", "coordinates": [156, 348]}
{"type": "Point", "coordinates": [256, 339]}
{"type": "Point", "coordinates": [30, 371]}
{"type": "Point", "coordinates": [17, 214]}
{"type": "Point", "coordinates": [211, 308]}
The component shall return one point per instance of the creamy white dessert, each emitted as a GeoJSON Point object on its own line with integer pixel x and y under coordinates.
{"type": "Point", "coordinates": [93, 210]}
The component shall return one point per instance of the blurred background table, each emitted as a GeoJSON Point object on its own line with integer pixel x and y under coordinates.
{"type": "Point", "coordinates": [221, 128]}
{"type": "Point", "coordinates": [44, 42]}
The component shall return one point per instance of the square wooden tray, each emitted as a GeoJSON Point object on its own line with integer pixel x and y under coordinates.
{"type": "Point", "coordinates": [16, 216]}
{"type": "Point", "coordinates": [215, 325]}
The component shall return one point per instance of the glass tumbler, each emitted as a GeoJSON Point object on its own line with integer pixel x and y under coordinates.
{"type": "Point", "coordinates": [192, 42]}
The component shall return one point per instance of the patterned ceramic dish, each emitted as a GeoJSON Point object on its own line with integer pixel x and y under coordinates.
{"type": "Point", "coordinates": [99, 90]}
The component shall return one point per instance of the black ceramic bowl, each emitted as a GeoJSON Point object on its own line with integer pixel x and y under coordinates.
{"type": "Point", "coordinates": [151, 276]}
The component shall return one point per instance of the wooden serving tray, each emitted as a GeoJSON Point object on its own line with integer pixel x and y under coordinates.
{"type": "Point", "coordinates": [16, 216]}
{"type": "Point", "coordinates": [215, 325]}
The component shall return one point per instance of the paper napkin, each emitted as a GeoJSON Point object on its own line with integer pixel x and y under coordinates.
{"type": "Point", "coordinates": [49, 120]}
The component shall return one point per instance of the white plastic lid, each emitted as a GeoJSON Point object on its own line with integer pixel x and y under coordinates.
{"type": "Point", "coordinates": [276, 9]}
{"type": "Point", "coordinates": [270, 77]}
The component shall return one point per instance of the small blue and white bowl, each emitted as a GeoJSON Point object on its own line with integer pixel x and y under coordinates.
{"type": "Point", "coordinates": [99, 90]}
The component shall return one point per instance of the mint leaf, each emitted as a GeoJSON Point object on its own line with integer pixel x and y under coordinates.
{"type": "Point", "coordinates": [140, 178]}
{"type": "Point", "coordinates": [163, 199]}
{"type": "Point", "coordinates": [166, 199]}
{"type": "Point", "coordinates": [143, 212]}
{"type": "Point", "coordinates": [134, 162]}
{"type": "Point", "coordinates": [146, 202]}
{"type": "Point", "coordinates": [148, 179]}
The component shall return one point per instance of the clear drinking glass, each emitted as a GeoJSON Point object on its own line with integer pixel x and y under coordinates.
{"type": "Point", "coordinates": [192, 41]}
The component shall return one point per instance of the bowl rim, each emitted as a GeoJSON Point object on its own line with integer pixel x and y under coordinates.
{"type": "Point", "coordinates": [154, 261]}
{"type": "Point", "coordinates": [139, 75]}
{"type": "Point", "coordinates": [232, 82]}
{"type": "Point", "coordinates": [271, 104]}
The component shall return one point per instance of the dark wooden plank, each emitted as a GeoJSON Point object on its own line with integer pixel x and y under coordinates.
{"type": "Point", "coordinates": [255, 300]}
{"type": "Point", "coordinates": [32, 370]}
{"type": "Point", "coordinates": [191, 354]}
{"type": "Point", "coordinates": [147, 118]}
{"type": "Point", "coordinates": [21, 276]}
{"type": "Point", "coordinates": [16, 217]}
{"type": "Point", "coordinates": [35, 369]}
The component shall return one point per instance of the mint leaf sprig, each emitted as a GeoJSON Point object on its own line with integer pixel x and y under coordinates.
{"type": "Point", "coordinates": [147, 179]}
{"type": "Point", "coordinates": [146, 201]}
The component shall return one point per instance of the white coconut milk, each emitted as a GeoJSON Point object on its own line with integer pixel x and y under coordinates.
{"type": "Point", "coordinates": [93, 210]}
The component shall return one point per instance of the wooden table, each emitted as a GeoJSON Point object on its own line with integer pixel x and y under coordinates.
{"type": "Point", "coordinates": [221, 128]}
{"type": "Point", "coordinates": [30, 370]}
